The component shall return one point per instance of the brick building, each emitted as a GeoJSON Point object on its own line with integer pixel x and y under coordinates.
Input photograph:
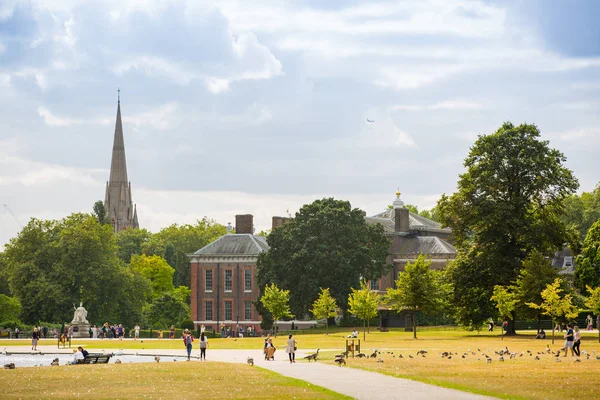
{"type": "Point", "coordinates": [224, 272]}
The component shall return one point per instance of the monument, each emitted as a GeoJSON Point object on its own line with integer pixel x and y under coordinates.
{"type": "Point", "coordinates": [80, 324]}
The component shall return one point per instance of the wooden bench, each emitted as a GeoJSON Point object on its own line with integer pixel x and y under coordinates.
{"type": "Point", "coordinates": [95, 358]}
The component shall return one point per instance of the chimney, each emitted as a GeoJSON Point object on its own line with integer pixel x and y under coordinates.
{"type": "Point", "coordinates": [401, 218]}
{"type": "Point", "coordinates": [278, 221]}
{"type": "Point", "coordinates": [244, 224]}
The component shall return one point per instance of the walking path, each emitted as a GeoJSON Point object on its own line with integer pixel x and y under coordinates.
{"type": "Point", "coordinates": [352, 382]}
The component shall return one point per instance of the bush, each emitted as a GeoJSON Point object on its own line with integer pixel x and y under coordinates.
{"type": "Point", "coordinates": [187, 324]}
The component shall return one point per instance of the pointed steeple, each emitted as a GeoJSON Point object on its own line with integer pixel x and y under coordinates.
{"type": "Point", "coordinates": [118, 165]}
{"type": "Point", "coordinates": [118, 201]}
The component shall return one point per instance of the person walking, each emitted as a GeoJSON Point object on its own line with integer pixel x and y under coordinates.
{"type": "Point", "coordinates": [188, 340]}
{"type": "Point", "coordinates": [291, 349]}
{"type": "Point", "coordinates": [576, 340]}
{"type": "Point", "coordinates": [35, 336]}
{"type": "Point", "coordinates": [588, 322]}
{"type": "Point", "coordinates": [569, 341]}
{"type": "Point", "coordinates": [203, 346]}
{"type": "Point", "coordinates": [136, 332]}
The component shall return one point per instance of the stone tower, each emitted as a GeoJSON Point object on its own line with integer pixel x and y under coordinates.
{"type": "Point", "coordinates": [118, 204]}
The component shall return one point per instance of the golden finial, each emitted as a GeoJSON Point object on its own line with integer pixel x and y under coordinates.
{"type": "Point", "coordinates": [398, 192]}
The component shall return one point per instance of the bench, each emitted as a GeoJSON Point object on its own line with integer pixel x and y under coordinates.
{"type": "Point", "coordinates": [95, 358]}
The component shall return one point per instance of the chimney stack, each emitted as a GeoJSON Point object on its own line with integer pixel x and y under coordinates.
{"type": "Point", "coordinates": [244, 224]}
{"type": "Point", "coordinates": [278, 221]}
{"type": "Point", "coordinates": [401, 216]}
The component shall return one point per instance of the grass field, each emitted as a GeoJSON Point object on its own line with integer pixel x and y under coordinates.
{"type": "Point", "coordinates": [522, 377]}
{"type": "Point", "coordinates": [156, 381]}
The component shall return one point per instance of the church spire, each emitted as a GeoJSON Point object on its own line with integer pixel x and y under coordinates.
{"type": "Point", "coordinates": [118, 200]}
{"type": "Point", "coordinates": [118, 166]}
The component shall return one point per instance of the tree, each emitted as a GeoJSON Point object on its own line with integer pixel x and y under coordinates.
{"type": "Point", "coordinates": [184, 239]}
{"type": "Point", "coordinates": [326, 307]}
{"type": "Point", "coordinates": [327, 244]}
{"type": "Point", "coordinates": [53, 265]}
{"type": "Point", "coordinates": [508, 204]}
{"type": "Point", "coordinates": [166, 310]}
{"type": "Point", "coordinates": [432, 214]}
{"type": "Point", "coordinates": [555, 306]}
{"type": "Point", "coordinates": [536, 273]}
{"type": "Point", "coordinates": [581, 211]}
{"type": "Point", "coordinates": [157, 271]}
{"type": "Point", "coordinates": [131, 242]}
{"type": "Point", "coordinates": [418, 288]}
{"type": "Point", "coordinates": [505, 303]}
{"type": "Point", "coordinates": [277, 302]}
{"type": "Point", "coordinates": [587, 265]}
{"type": "Point", "coordinates": [10, 309]}
{"type": "Point", "coordinates": [363, 303]}
{"type": "Point", "coordinates": [100, 213]}
{"type": "Point", "coordinates": [593, 302]}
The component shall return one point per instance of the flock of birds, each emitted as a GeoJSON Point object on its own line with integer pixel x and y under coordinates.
{"type": "Point", "coordinates": [487, 355]}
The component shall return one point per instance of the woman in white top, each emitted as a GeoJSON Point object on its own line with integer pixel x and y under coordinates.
{"type": "Point", "coordinates": [576, 340]}
{"type": "Point", "coordinates": [203, 346]}
{"type": "Point", "coordinates": [291, 349]}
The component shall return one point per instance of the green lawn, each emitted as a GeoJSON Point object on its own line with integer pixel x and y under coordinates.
{"type": "Point", "coordinates": [156, 381]}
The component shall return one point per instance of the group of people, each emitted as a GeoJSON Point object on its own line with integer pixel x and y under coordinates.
{"type": "Point", "coordinates": [114, 331]}
{"type": "Point", "coordinates": [188, 341]}
{"type": "Point", "coordinates": [291, 347]}
{"type": "Point", "coordinates": [239, 331]}
{"type": "Point", "coordinates": [79, 355]}
{"type": "Point", "coordinates": [572, 340]}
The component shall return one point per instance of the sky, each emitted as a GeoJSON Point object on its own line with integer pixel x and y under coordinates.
{"type": "Point", "coordinates": [236, 107]}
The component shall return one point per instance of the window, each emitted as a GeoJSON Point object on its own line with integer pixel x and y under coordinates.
{"type": "Point", "coordinates": [247, 280]}
{"type": "Point", "coordinates": [228, 280]}
{"type": "Point", "coordinates": [374, 284]}
{"type": "Point", "coordinates": [208, 315]}
{"type": "Point", "coordinates": [208, 280]}
{"type": "Point", "coordinates": [228, 310]}
{"type": "Point", "coordinates": [247, 310]}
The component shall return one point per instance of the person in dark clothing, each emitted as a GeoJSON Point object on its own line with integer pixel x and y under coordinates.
{"type": "Point", "coordinates": [45, 331]}
{"type": "Point", "coordinates": [84, 352]}
{"type": "Point", "coordinates": [569, 339]}
{"type": "Point", "coordinates": [35, 336]}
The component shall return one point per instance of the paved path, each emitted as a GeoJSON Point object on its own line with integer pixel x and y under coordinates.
{"type": "Point", "coordinates": [352, 382]}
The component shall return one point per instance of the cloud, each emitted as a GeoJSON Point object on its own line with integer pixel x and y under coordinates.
{"type": "Point", "coordinates": [454, 105]}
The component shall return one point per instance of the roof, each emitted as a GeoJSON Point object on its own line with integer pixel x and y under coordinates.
{"type": "Point", "coordinates": [234, 245]}
{"type": "Point", "coordinates": [430, 245]}
{"type": "Point", "coordinates": [415, 221]}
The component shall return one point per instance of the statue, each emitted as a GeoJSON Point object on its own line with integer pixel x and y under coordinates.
{"type": "Point", "coordinates": [80, 315]}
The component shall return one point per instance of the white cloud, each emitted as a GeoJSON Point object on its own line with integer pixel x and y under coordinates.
{"type": "Point", "coordinates": [454, 105]}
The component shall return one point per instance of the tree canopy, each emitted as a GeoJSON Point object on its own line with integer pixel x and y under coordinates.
{"type": "Point", "coordinates": [508, 204]}
{"type": "Point", "coordinates": [276, 301]}
{"type": "Point", "coordinates": [325, 307]}
{"type": "Point", "coordinates": [363, 303]}
{"type": "Point", "coordinates": [418, 288]}
{"type": "Point", "coordinates": [536, 273]}
{"type": "Point", "coordinates": [587, 266]}
{"type": "Point", "coordinates": [555, 305]}
{"type": "Point", "coordinates": [327, 244]}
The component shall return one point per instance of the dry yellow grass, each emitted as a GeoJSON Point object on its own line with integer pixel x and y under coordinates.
{"type": "Point", "coordinates": [184, 380]}
{"type": "Point", "coordinates": [523, 377]}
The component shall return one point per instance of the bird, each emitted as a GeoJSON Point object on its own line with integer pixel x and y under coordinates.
{"type": "Point", "coordinates": [500, 358]}
{"type": "Point", "coordinates": [118, 361]}
{"type": "Point", "coordinates": [360, 355]}
{"type": "Point", "coordinates": [374, 354]}
{"type": "Point", "coordinates": [489, 360]}
{"type": "Point", "coordinates": [9, 366]}
{"type": "Point", "coordinates": [421, 352]}
{"type": "Point", "coordinates": [250, 361]}
{"type": "Point", "coordinates": [55, 362]}
{"type": "Point", "coordinates": [577, 360]}
{"type": "Point", "coordinates": [409, 356]}
{"type": "Point", "coordinates": [370, 120]}
{"type": "Point", "coordinates": [4, 352]}
{"type": "Point", "coordinates": [157, 358]}
{"type": "Point", "coordinates": [380, 360]}
{"type": "Point", "coordinates": [340, 361]}
{"type": "Point", "coordinates": [537, 357]}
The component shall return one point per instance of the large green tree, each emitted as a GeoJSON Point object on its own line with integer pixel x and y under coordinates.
{"type": "Point", "coordinates": [182, 240]}
{"type": "Point", "coordinates": [10, 309]}
{"type": "Point", "coordinates": [327, 244]}
{"type": "Point", "coordinates": [418, 289]}
{"type": "Point", "coordinates": [157, 271]}
{"type": "Point", "coordinates": [131, 242]}
{"type": "Point", "coordinates": [276, 301]}
{"type": "Point", "coordinates": [100, 212]}
{"type": "Point", "coordinates": [54, 265]}
{"type": "Point", "coordinates": [581, 211]}
{"type": "Point", "coordinates": [508, 204]}
{"type": "Point", "coordinates": [587, 265]}
{"type": "Point", "coordinates": [325, 307]}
